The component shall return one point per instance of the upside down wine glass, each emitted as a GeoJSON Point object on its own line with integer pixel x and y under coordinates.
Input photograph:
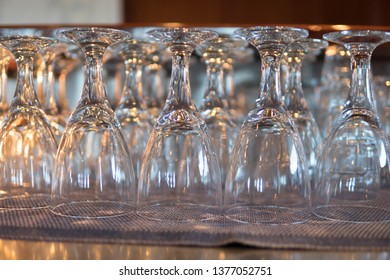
{"type": "Point", "coordinates": [267, 182]}
{"type": "Point", "coordinates": [27, 145]}
{"type": "Point", "coordinates": [215, 107]}
{"type": "Point", "coordinates": [135, 120]}
{"type": "Point", "coordinates": [5, 57]}
{"type": "Point", "coordinates": [296, 103]}
{"type": "Point", "coordinates": [45, 88]}
{"type": "Point", "coordinates": [353, 171]}
{"type": "Point", "coordinates": [156, 81]}
{"type": "Point", "coordinates": [335, 82]}
{"type": "Point", "coordinates": [243, 55]}
{"type": "Point", "coordinates": [94, 176]}
{"type": "Point", "coordinates": [180, 178]}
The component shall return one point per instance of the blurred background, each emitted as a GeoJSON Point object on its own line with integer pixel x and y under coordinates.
{"type": "Point", "coordinates": [357, 12]}
{"type": "Point", "coordinates": [318, 16]}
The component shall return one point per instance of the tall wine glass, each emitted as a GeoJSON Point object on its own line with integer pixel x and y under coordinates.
{"type": "Point", "coordinates": [267, 181]}
{"type": "Point", "coordinates": [45, 88]}
{"type": "Point", "coordinates": [94, 175]}
{"type": "Point", "coordinates": [180, 178]}
{"type": "Point", "coordinates": [27, 145]}
{"type": "Point", "coordinates": [382, 97]}
{"type": "Point", "coordinates": [296, 103]}
{"type": "Point", "coordinates": [215, 107]}
{"type": "Point", "coordinates": [68, 64]}
{"type": "Point", "coordinates": [156, 82]}
{"type": "Point", "coordinates": [131, 111]}
{"type": "Point", "coordinates": [5, 57]}
{"type": "Point", "coordinates": [243, 55]}
{"type": "Point", "coordinates": [353, 171]}
{"type": "Point", "coordinates": [335, 82]}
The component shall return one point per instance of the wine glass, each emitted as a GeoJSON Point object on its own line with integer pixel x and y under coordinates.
{"type": "Point", "coordinates": [94, 176]}
{"type": "Point", "coordinates": [335, 82]}
{"type": "Point", "coordinates": [180, 178]}
{"type": "Point", "coordinates": [131, 111]}
{"type": "Point", "coordinates": [215, 107]}
{"type": "Point", "coordinates": [296, 103]}
{"type": "Point", "coordinates": [68, 65]}
{"type": "Point", "coordinates": [353, 171]}
{"type": "Point", "coordinates": [382, 97]}
{"type": "Point", "coordinates": [5, 57]}
{"type": "Point", "coordinates": [267, 181]}
{"type": "Point", "coordinates": [45, 87]}
{"type": "Point", "coordinates": [156, 82]}
{"type": "Point", "coordinates": [243, 55]}
{"type": "Point", "coordinates": [27, 145]}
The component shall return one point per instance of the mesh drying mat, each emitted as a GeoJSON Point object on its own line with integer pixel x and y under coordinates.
{"type": "Point", "coordinates": [316, 233]}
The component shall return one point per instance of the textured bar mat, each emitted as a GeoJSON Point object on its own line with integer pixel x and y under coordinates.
{"type": "Point", "coordinates": [316, 233]}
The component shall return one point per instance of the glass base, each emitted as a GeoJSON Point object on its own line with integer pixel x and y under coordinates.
{"type": "Point", "coordinates": [92, 209]}
{"type": "Point", "coordinates": [25, 202]}
{"type": "Point", "coordinates": [267, 215]}
{"type": "Point", "coordinates": [178, 212]}
{"type": "Point", "coordinates": [353, 213]}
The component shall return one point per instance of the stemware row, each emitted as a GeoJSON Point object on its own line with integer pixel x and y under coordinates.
{"type": "Point", "coordinates": [191, 167]}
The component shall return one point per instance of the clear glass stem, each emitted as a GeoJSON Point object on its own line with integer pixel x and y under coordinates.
{"type": "Point", "coordinates": [49, 104]}
{"type": "Point", "coordinates": [215, 89]}
{"type": "Point", "coordinates": [270, 94]}
{"type": "Point", "coordinates": [230, 84]}
{"type": "Point", "coordinates": [155, 85]}
{"type": "Point", "coordinates": [62, 92]}
{"type": "Point", "coordinates": [360, 95]}
{"type": "Point", "coordinates": [295, 100]}
{"type": "Point", "coordinates": [94, 91]}
{"type": "Point", "coordinates": [132, 92]}
{"type": "Point", "coordinates": [3, 85]}
{"type": "Point", "coordinates": [179, 91]}
{"type": "Point", "coordinates": [25, 94]}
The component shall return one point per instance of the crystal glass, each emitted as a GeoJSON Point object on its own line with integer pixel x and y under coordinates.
{"type": "Point", "coordinates": [353, 171]}
{"type": "Point", "coordinates": [94, 176]}
{"type": "Point", "coordinates": [215, 106]}
{"type": "Point", "coordinates": [67, 64]}
{"type": "Point", "coordinates": [242, 55]}
{"type": "Point", "coordinates": [267, 181]}
{"type": "Point", "coordinates": [5, 57]}
{"type": "Point", "coordinates": [296, 103]}
{"type": "Point", "coordinates": [382, 97]}
{"type": "Point", "coordinates": [180, 178]}
{"type": "Point", "coordinates": [156, 81]}
{"type": "Point", "coordinates": [46, 90]}
{"type": "Point", "coordinates": [334, 88]}
{"type": "Point", "coordinates": [131, 111]}
{"type": "Point", "coordinates": [27, 145]}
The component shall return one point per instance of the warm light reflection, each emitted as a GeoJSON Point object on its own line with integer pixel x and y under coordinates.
{"type": "Point", "coordinates": [172, 24]}
{"type": "Point", "coordinates": [27, 250]}
{"type": "Point", "coordinates": [341, 27]}
{"type": "Point", "coordinates": [315, 28]}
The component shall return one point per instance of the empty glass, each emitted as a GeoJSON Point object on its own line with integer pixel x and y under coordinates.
{"type": "Point", "coordinates": [45, 88]}
{"type": "Point", "coordinates": [135, 120]}
{"type": "Point", "coordinates": [335, 82]}
{"type": "Point", "coordinates": [268, 181]}
{"type": "Point", "coordinates": [5, 57]}
{"type": "Point", "coordinates": [94, 176]}
{"type": "Point", "coordinates": [215, 107]}
{"type": "Point", "coordinates": [296, 103]}
{"type": "Point", "coordinates": [180, 178]}
{"type": "Point", "coordinates": [156, 82]}
{"type": "Point", "coordinates": [353, 171]}
{"type": "Point", "coordinates": [382, 98]}
{"type": "Point", "coordinates": [242, 55]}
{"type": "Point", "coordinates": [27, 145]}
